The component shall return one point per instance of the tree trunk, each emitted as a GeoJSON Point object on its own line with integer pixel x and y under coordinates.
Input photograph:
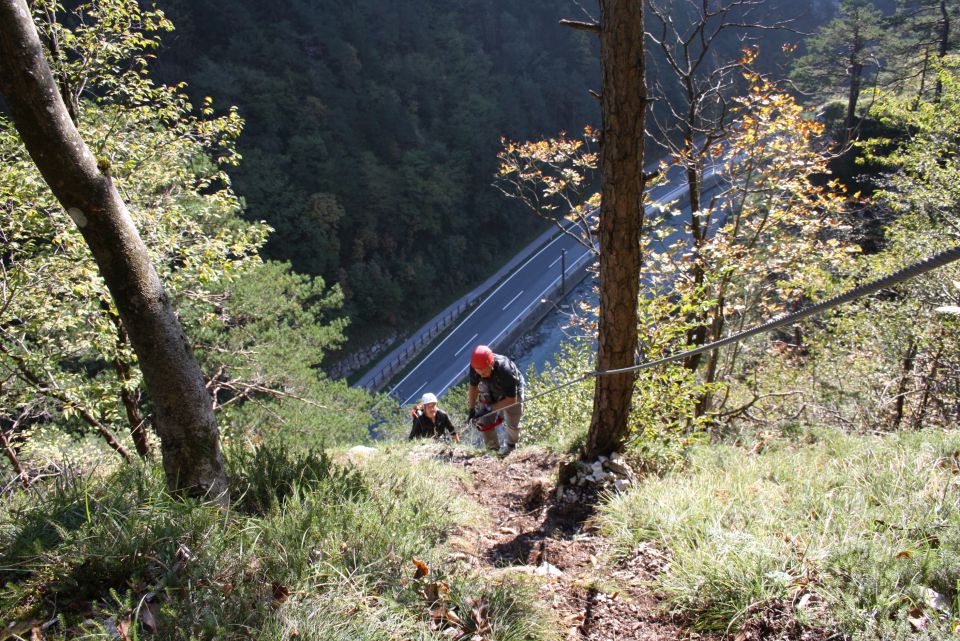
{"type": "Point", "coordinates": [184, 418]}
{"type": "Point", "coordinates": [130, 396]}
{"type": "Point", "coordinates": [944, 45]}
{"type": "Point", "coordinates": [856, 73]}
{"type": "Point", "coordinates": [928, 380]}
{"type": "Point", "coordinates": [906, 369]}
{"type": "Point", "coordinates": [11, 455]}
{"type": "Point", "coordinates": [621, 218]}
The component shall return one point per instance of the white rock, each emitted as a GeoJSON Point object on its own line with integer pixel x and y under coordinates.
{"type": "Point", "coordinates": [935, 600]}
{"type": "Point", "coordinates": [547, 569]}
{"type": "Point", "coordinates": [602, 476]}
{"type": "Point", "coordinates": [621, 484]}
{"type": "Point", "coordinates": [620, 469]}
{"type": "Point", "coordinates": [359, 453]}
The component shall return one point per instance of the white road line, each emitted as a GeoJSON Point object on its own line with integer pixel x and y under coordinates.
{"type": "Point", "coordinates": [456, 378]}
{"type": "Point", "coordinates": [573, 263]}
{"type": "Point", "coordinates": [535, 302]}
{"type": "Point", "coordinates": [469, 340]}
{"type": "Point", "coordinates": [519, 294]}
{"type": "Point", "coordinates": [414, 395]}
{"type": "Point", "coordinates": [478, 307]}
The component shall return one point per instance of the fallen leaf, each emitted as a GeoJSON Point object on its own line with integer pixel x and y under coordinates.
{"type": "Point", "coordinates": [147, 617]}
{"type": "Point", "coordinates": [903, 555]}
{"type": "Point", "coordinates": [509, 530]}
{"type": "Point", "coordinates": [804, 600]}
{"type": "Point", "coordinates": [422, 569]}
{"type": "Point", "coordinates": [124, 626]}
{"type": "Point", "coordinates": [917, 619]}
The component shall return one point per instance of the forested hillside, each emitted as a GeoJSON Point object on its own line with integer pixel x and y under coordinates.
{"type": "Point", "coordinates": [211, 482]}
{"type": "Point", "coordinates": [372, 130]}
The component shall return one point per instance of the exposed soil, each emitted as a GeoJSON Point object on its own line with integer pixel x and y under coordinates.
{"type": "Point", "coordinates": [532, 530]}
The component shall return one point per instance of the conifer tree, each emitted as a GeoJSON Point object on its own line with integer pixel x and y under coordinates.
{"type": "Point", "coordinates": [844, 56]}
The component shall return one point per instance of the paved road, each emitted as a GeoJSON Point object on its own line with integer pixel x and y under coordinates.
{"type": "Point", "coordinates": [500, 311]}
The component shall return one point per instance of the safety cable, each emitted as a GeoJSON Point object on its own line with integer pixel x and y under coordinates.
{"type": "Point", "coordinates": [911, 271]}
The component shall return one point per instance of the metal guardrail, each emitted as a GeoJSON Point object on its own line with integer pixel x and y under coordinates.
{"type": "Point", "coordinates": [383, 371]}
{"type": "Point", "coordinates": [412, 346]}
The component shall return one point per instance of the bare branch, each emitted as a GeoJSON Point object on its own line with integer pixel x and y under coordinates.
{"type": "Point", "coordinates": [590, 27]}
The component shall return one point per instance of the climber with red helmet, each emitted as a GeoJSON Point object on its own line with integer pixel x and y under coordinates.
{"type": "Point", "coordinates": [495, 384]}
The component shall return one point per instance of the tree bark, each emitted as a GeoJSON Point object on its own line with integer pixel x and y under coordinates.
{"type": "Point", "coordinates": [621, 218]}
{"type": "Point", "coordinates": [853, 96]}
{"type": "Point", "coordinates": [944, 45]}
{"type": "Point", "coordinates": [906, 369]}
{"type": "Point", "coordinates": [184, 419]}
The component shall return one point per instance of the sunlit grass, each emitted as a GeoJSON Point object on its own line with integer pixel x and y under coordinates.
{"type": "Point", "coordinates": [310, 545]}
{"type": "Point", "coordinates": [867, 526]}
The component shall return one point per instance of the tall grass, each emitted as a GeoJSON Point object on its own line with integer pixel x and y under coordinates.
{"type": "Point", "coordinates": [860, 531]}
{"type": "Point", "coordinates": [309, 545]}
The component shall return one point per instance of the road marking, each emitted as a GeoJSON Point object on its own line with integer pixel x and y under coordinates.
{"type": "Point", "coordinates": [536, 301]}
{"type": "Point", "coordinates": [511, 302]}
{"type": "Point", "coordinates": [414, 395]}
{"type": "Point", "coordinates": [455, 379]}
{"type": "Point", "coordinates": [469, 340]}
{"type": "Point", "coordinates": [574, 263]}
{"type": "Point", "coordinates": [476, 309]}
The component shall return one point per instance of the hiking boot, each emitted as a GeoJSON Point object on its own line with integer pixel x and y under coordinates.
{"type": "Point", "coordinates": [507, 448]}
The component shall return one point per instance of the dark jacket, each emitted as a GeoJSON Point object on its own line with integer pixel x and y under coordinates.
{"type": "Point", "coordinates": [505, 379]}
{"type": "Point", "coordinates": [423, 427]}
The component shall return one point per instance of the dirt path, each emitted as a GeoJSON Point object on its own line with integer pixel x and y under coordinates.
{"type": "Point", "coordinates": [532, 530]}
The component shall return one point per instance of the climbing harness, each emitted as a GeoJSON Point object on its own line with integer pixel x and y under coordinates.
{"type": "Point", "coordinates": [911, 271]}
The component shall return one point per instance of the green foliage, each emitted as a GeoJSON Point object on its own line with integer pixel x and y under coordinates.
{"type": "Point", "coordinates": [264, 477]}
{"type": "Point", "coordinates": [261, 329]}
{"type": "Point", "coordinates": [890, 361]}
{"type": "Point", "coordinates": [662, 424]}
{"type": "Point", "coordinates": [864, 525]}
{"type": "Point", "coordinates": [844, 55]}
{"type": "Point", "coordinates": [316, 547]}
{"type": "Point", "coordinates": [560, 419]}
{"type": "Point", "coordinates": [372, 131]}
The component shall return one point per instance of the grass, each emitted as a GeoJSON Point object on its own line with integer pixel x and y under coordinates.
{"type": "Point", "coordinates": [856, 533]}
{"type": "Point", "coordinates": [310, 546]}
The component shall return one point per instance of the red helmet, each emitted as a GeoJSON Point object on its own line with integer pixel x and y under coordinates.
{"type": "Point", "coordinates": [482, 358]}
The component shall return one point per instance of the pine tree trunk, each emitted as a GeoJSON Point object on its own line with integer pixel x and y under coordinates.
{"type": "Point", "coordinates": [853, 97]}
{"type": "Point", "coordinates": [624, 102]}
{"type": "Point", "coordinates": [184, 418]}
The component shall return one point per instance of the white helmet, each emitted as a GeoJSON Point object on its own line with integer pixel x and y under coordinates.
{"type": "Point", "coordinates": [428, 398]}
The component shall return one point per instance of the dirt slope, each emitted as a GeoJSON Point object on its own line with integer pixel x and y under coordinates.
{"type": "Point", "coordinates": [532, 530]}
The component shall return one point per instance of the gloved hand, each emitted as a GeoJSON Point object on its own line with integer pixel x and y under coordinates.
{"type": "Point", "coordinates": [472, 414]}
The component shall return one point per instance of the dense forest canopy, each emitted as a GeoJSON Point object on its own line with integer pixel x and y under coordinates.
{"type": "Point", "coordinates": [372, 130]}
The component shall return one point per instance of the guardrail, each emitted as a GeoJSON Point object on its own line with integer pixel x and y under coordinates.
{"type": "Point", "coordinates": [413, 345]}
{"type": "Point", "coordinates": [383, 371]}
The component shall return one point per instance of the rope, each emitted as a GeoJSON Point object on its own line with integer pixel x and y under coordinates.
{"type": "Point", "coordinates": [911, 271]}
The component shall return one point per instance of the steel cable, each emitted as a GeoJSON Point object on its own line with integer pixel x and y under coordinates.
{"type": "Point", "coordinates": [911, 271]}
